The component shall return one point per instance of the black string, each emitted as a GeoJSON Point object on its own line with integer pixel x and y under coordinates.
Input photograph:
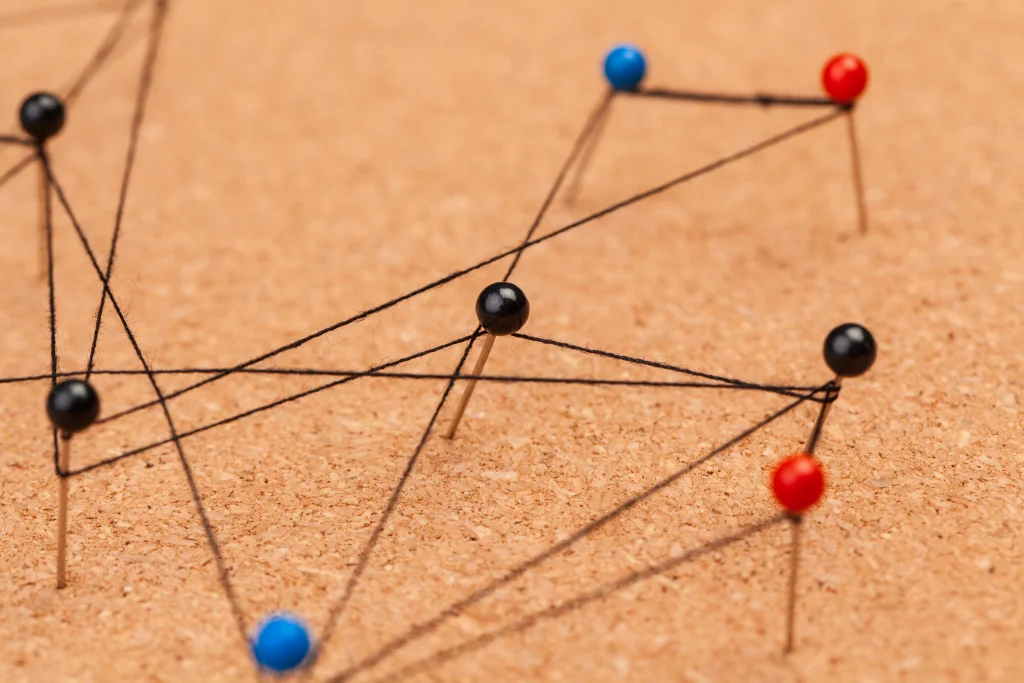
{"type": "Point", "coordinates": [832, 393]}
{"type": "Point", "coordinates": [17, 168]}
{"type": "Point", "coordinates": [52, 296]}
{"type": "Point", "coordinates": [588, 152]}
{"type": "Point", "coordinates": [573, 604]}
{"type": "Point", "coordinates": [338, 609]}
{"type": "Point", "coordinates": [422, 629]}
{"type": "Point", "coordinates": [739, 384]}
{"type": "Point", "coordinates": [102, 54]}
{"type": "Point", "coordinates": [15, 140]}
{"type": "Point", "coordinates": [248, 413]}
{"type": "Point", "coordinates": [501, 379]}
{"type": "Point", "coordinates": [336, 612]}
{"type": "Point", "coordinates": [760, 99]}
{"type": "Point", "coordinates": [211, 537]}
{"type": "Point", "coordinates": [802, 128]}
{"type": "Point", "coordinates": [142, 96]}
{"type": "Point", "coordinates": [594, 120]}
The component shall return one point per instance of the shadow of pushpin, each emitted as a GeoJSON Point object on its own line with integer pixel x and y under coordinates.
{"type": "Point", "coordinates": [42, 117]}
{"type": "Point", "coordinates": [73, 406]}
{"type": "Point", "coordinates": [502, 309]}
{"type": "Point", "coordinates": [844, 78]}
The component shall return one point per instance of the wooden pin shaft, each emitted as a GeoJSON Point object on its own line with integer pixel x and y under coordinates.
{"type": "Point", "coordinates": [794, 565]}
{"type": "Point", "coordinates": [858, 181]}
{"type": "Point", "coordinates": [464, 401]}
{"type": "Point", "coordinates": [62, 511]}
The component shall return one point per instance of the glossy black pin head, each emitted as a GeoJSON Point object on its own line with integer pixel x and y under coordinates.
{"type": "Point", "coordinates": [73, 406]}
{"type": "Point", "coordinates": [42, 116]}
{"type": "Point", "coordinates": [850, 350]}
{"type": "Point", "coordinates": [502, 309]}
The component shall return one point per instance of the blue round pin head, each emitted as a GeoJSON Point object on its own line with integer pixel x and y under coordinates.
{"type": "Point", "coordinates": [624, 67]}
{"type": "Point", "coordinates": [281, 643]}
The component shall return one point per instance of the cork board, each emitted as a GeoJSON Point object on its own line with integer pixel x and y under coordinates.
{"type": "Point", "coordinates": [300, 164]}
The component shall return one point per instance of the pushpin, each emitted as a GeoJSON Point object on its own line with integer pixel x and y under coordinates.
{"type": "Point", "coordinates": [42, 117]}
{"type": "Point", "coordinates": [281, 644]}
{"type": "Point", "coordinates": [798, 484]}
{"type": "Point", "coordinates": [849, 351]}
{"type": "Point", "coordinates": [502, 309]}
{"type": "Point", "coordinates": [624, 68]}
{"type": "Point", "coordinates": [73, 406]}
{"type": "Point", "coordinates": [844, 78]}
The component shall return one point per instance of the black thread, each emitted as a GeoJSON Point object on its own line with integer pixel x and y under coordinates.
{"type": "Point", "coordinates": [15, 140]}
{"type": "Point", "coordinates": [17, 168]}
{"type": "Point", "coordinates": [596, 116]}
{"type": "Point", "coordinates": [588, 152]}
{"type": "Point", "coordinates": [249, 413]}
{"type": "Point", "coordinates": [802, 128]}
{"type": "Point", "coordinates": [142, 96]}
{"type": "Point", "coordinates": [211, 537]}
{"type": "Point", "coordinates": [563, 608]}
{"type": "Point", "coordinates": [832, 393]}
{"type": "Point", "coordinates": [102, 54]}
{"type": "Point", "coordinates": [759, 99]}
{"type": "Point", "coordinates": [501, 379]}
{"type": "Point", "coordinates": [52, 297]}
{"type": "Point", "coordinates": [422, 629]}
{"type": "Point", "coordinates": [338, 609]}
{"type": "Point", "coordinates": [739, 384]}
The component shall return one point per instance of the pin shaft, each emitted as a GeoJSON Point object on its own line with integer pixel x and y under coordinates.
{"type": "Point", "coordinates": [62, 511]}
{"type": "Point", "coordinates": [794, 565]}
{"type": "Point", "coordinates": [858, 181]}
{"type": "Point", "coordinates": [485, 351]}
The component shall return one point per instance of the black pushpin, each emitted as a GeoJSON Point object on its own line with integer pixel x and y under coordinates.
{"type": "Point", "coordinates": [42, 117]}
{"type": "Point", "coordinates": [73, 405]}
{"type": "Point", "coordinates": [502, 309]}
{"type": "Point", "coordinates": [850, 351]}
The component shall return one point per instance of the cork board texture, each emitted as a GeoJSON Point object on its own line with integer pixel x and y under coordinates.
{"type": "Point", "coordinates": [299, 163]}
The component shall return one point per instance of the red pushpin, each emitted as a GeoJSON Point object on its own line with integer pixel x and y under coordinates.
{"type": "Point", "coordinates": [798, 484]}
{"type": "Point", "coordinates": [844, 78]}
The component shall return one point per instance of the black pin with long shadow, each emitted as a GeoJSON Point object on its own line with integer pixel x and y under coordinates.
{"type": "Point", "coordinates": [42, 116]}
{"type": "Point", "coordinates": [73, 406]}
{"type": "Point", "coordinates": [502, 309]}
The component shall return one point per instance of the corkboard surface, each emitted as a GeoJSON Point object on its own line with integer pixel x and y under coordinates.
{"type": "Point", "coordinates": [299, 164]}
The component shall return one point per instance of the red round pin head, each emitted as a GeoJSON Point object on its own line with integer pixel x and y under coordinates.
{"type": "Point", "coordinates": [844, 77]}
{"type": "Point", "coordinates": [798, 482]}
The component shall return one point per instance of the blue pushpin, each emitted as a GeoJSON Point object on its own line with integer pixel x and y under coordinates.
{"type": "Point", "coordinates": [624, 67]}
{"type": "Point", "coordinates": [282, 643]}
